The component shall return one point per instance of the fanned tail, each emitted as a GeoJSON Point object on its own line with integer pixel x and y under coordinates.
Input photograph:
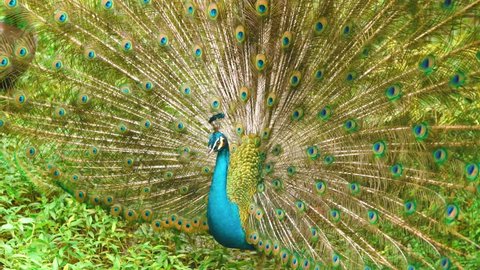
{"type": "Point", "coordinates": [362, 116]}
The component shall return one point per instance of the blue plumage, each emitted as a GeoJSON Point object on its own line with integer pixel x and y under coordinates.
{"type": "Point", "coordinates": [223, 215]}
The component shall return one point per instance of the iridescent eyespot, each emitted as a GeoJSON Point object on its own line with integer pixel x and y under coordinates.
{"type": "Point", "coordinates": [472, 171]}
{"type": "Point", "coordinates": [314, 234]}
{"type": "Point", "coordinates": [10, 3]}
{"type": "Point", "coordinates": [329, 159]}
{"type": "Point", "coordinates": [365, 51]}
{"type": "Point", "coordinates": [31, 152]}
{"type": "Point", "coordinates": [320, 187]}
{"type": "Point", "coordinates": [57, 65]}
{"type": "Point", "coordinates": [254, 238]}
{"type": "Point", "coordinates": [291, 170]}
{"type": "Point", "coordinates": [60, 112]}
{"type": "Point", "coordinates": [451, 213]}
{"type": "Point", "coordinates": [295, 78]}
{"type": "Point", "coordinates": [379, 148]}
{"type": "Point", "coordinates": [297, 114]}
{"type": "Point", "coordinates": [350, 125]}
{"type": "Point", "coordinates": [445, 263]}
{"type": "Point", "coordinates": [80, 195]}
{"type": "Point", "coordinates": [56, 173]}
{"type": "Point", "coordinates": [287, 40]}
{"type": "Point", "coordinates": [354, 188]}
{"type": "Point", "coordinates": [335, 259]}
{"type": "Point", "coordinates": [319, 74]}
{"type": "Point", "coordinates": [277, 150]}
{"type": "Point", "coordinates": [410, 207]}
{"type": "Point", "coordinates": [294, 261]}
{"type": "Point", "coordinates": [189, 9]}
{"type": "Point", "coordinates": [20, 52]}
{"type": "Point", "coordinates": [268, 168]}
{"type": "Point", "coordinates": [148, 85]}
{"type": "Point", "coordinates": [396, 170]}
{"type": "Point", "coordinates": [127, 45]}
{"type": "Point", "coordinates": [212, 11]}
{"type": "Point", "coordinates": [347, 30]}
{"type": "Point", "coordinates": [168, 175]}
{"type": "Point", "coordinates": [3, 121]}
{"type": "Point", "coordinates": [197, 52]}
{"type": "Point", "coordinates": [240, 33]}
{"type": "Point", "coordinates": [239, 129]}
{"type": "Point", "coordinates": [335, 215]}
{"type": "Point", "coordinates": [271, 100]}
{"type": "Point", "coordinates": [266, 134]}
{"type": "Point", "coordinates": [95, 200]}
{"type": "Point", "coordinates": [312, 152]}
{"type": "Point", "coordinates": [260, 187]}
{"type": "Point", "coordinates": [90, 54]}
{"type": "Point", "coordinates": [458, 80]}
{"type": "Point", "coordinates": [129, 162]}
{"type": "Point", "coordinates": [301, 206]}
{"type": "Point", "coordinates": [93, 151]}
{"type": "Point", "coordinates": [260, 62]}
{"type": "Point", "coordinates": [268, 247]}
{"type": "Point", "coordinates": [320, 25]}
{"type": "Point", "coordinates": [261, 6]}
{"type": "Point", "coordinates": [107, 4]}
{"type": "Point", "coordinates": [351, 76]}
{"type": "Point", "coordinates": [180, 126]}
{"type": "Point", "coordinates": [325, 113]}
{"type": "Point", "coordinates": [215, 104]}
{"type": "Point", "coordinates": [447, 4]}
{"type": "Point", "coordinates": [280, 214]}
{"type": "Point", "coordinates": [394, 92]}
{"type": "Point", "coordinates": [20, 99]}
{"type": "Point", "coordinates": [426, 64]}
{"type": "Point", "coordinates": [258, 214]}
{"type": "Point", "coordinates": [122, 128]}
{"type": "Point", "coordinates": [244, 94]}
{"type": "Point", "coordinates": [186, 89]}
{"type": "Point", "coordinates": [4, 62]}
{"type": "Point", "coordinates": [61, 17]}
{"type": "Point", "coordinates": [163, 40]}
{"type": "Point", "coordinates": [284, 256]}
{"type": "Point", "coordinates": [125, 89]}
{"type": "Point", "coordinates": [372, 216]}
{"type": "Point", "coordinates": [130, 214]}
{"type": "Point", "coordinates": [108, 200]}
{"type": "Point", "coordinates": [156, 225]}
{"type": "Point", "coordinates": [277, 184]}
{"type": "Point", "coordinates": [184, 190]}
{"type": "Point", "coordinates": [206, 170]}
{"type": "Point", "coordinates": [420, 131]}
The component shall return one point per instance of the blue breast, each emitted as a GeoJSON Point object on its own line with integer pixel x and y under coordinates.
{"type": "Point", "coordinates": [223, 215]}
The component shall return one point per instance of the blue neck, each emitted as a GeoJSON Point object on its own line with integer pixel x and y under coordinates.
{"type": "Point", "coordinates": [223, 215]}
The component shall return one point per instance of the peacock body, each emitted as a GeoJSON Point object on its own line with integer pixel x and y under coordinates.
{"type": "Point", "coordinates": [346, 133]}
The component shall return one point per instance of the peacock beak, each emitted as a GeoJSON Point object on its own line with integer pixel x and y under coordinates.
{"type": "Point", "coordinates": [210, 151]}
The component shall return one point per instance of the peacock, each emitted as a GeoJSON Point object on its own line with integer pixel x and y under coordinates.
{"type": "Point", "coordinates": [321, 134]}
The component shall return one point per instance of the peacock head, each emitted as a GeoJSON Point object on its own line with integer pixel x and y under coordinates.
{"type": "Point", "coordinates": [217, 142]}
